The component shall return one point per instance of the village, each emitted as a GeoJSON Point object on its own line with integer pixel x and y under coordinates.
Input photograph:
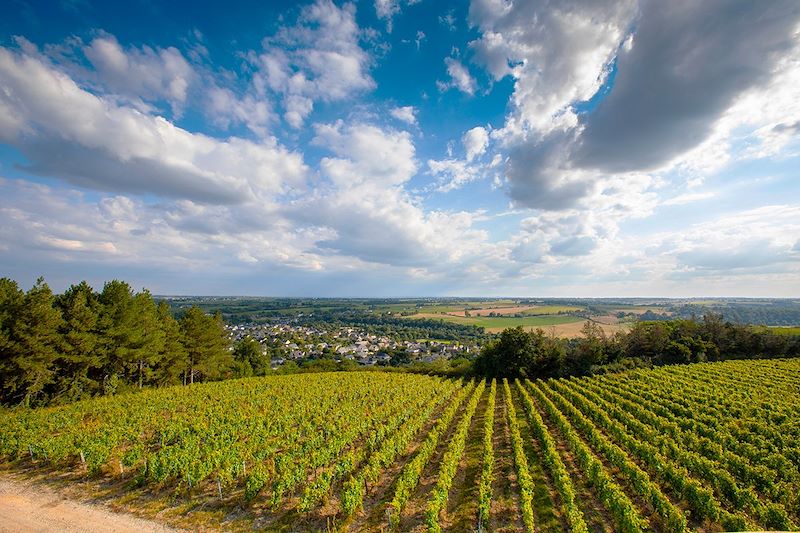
{"type": "Point", "coordinates": [291, 342]}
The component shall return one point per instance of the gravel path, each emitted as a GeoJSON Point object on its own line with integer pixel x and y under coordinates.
{"type": "Point", "coordinates": [29, 506]}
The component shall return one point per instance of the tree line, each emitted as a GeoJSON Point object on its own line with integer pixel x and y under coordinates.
{"type": "Point", "coordinates": [534, 354]}
{"type": "Point", "coordinates": [57, 348]}
{"type": "Point", "coordinates": [83, 343]}
{"type": "Point", "coordinates": [776, 313]}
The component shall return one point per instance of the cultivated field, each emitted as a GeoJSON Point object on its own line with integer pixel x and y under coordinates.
{"type": "Point", "coordinates": [708, 447]}
{"type": "Point", "coordinates": [528, 310]}
{"type": "Point", "coordinates": [572, 330]}
{"type": "Point", "coordinates": [496, 324]}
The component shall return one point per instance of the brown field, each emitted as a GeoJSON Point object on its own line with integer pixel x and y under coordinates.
{"type": "Point", "coordinates": [497, 310]}
{"type": "Point", "coordinates": [606, 319]}
{"type": "Point", "coordinates": [511, 310]}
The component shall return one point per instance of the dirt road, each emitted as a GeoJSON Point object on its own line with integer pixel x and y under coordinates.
{"type": "Point", "coordinates": [29, 506]}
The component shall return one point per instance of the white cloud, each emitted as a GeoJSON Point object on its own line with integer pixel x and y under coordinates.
{"type": "Point", "coordinates": [557, 53]}
{"type": "Point", "coordinates": [362, 216]}
{"type": "Point", "coordinates": [756, 244]}
{"type": "Point", "coordinates": [407, 114]}
{"type": "Point", "coordinates": [475, 142]}
{"type": "Point", "coordinates": [452, 174]}
{"type": "Point", "coordinates": [226, 108]}
{"type": "Point", "coordinates": [50, 226]}
{"type": "Point", "coordinates": [365, 154]}
{"type": "Point", "coordinates": [69, 133]}
{"type": "Point", "coordinates": [688, 198]}
{"type": "Point", "coordinates": [388, 9]}
{"type": "Point", "coordinates": [460, 77]}
{"type": "Point", "coordinates": [611, 163]}
{"type": "Point", "coordinates": [318, 59]}
{"type": "Point", "coordinates": [144, 78]}
{"type": "Point", "coordinates": [151, 74]}
{"type": "Point", "coordinates": [368, 210]}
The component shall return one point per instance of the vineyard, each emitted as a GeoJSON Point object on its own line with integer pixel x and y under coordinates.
{"type": "Point", "coordinates": [707, 447]}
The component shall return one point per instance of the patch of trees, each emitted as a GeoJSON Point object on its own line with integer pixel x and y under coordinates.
{"type": "Point", "coordinates": [399, 328]}
{"type": "Point", "coordinates": [517, 352]}
{"type": "Point", "coordinates": [771, 313]}
{"type": "Point", "coordinates": [83, 343]}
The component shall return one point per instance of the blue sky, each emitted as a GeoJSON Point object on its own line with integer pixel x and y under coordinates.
{"type": "Point", "coordinates": [403, 147]}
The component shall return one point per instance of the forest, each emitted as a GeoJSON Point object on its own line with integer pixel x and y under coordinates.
{"type": "Point", "coordinates": [83, 343]}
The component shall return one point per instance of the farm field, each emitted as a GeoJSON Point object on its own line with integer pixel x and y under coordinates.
{"type": "Point", "coordinates": [572, 330]}
{"type": "Point", "coordinates": [706, 447]}
{"type": "Point", "coordinates": [496, 324]}
{"type": "Point", "coordinates": [528, 310]}
{"type": "Point", "coordinates": [567, 326]}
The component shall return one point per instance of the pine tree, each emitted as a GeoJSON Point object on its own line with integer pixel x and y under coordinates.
{"type": "Point", "coordinates": [173, 359]}
{"type": "Point", "coordinates": [79, 361]}
{"type": "Point", "coordinates": [145, 339]}
{"type": "Point", "coordinates": [250, 357]}
{"type": "Point", "coordinates": [38, 342]}
{"type": "Point", "coordinates": [206, 343]}
{"type": "Point", "coordinates": [11, 298]}
{"type": "Point", "coordinates": [114, 319]}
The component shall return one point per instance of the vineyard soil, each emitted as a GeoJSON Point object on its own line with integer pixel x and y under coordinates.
{"type": "Point", "coordinates": [30, 506]}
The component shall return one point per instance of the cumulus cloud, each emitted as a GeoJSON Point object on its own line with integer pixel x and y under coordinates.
{"type": "Point", "coordinates": [317, 59]}
{"type": "Point", "coordinates": [148, 79]}
{"type": "Point", "coordinates": [360, 215]}
{"type": "Point", "coordinates": [558, 53]}
{"type": "Point", "coordinates": [227, 108]}
{"type": "Point", "coordinates": [475, 142]}
{"type": "Point", "coordinates": [452, 174]}
{"type": "Point", "coordinates": [371, 215]}
{"type": "Point", "coordinates": [365, 153]}
{"type": "Point", "coordinates": [148, 73]}
{"type": "Point", "coordinates": [407, 114]}
{"type": "Point", "coordinates": [573, 246]}
{"type": "Point", "coordinates": [620, 88]}
{"type": "Point", "coordinates": [70, 133]}
{"type": "Point", "coordinates": [45, 225]}
{"type": "Point", "coordinates": [680, 76]}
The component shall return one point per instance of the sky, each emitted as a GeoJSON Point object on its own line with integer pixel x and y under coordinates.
{"type": "Point", "coordinates": [398, 148]}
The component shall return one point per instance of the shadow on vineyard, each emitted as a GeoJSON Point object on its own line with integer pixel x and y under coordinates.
{"type": "Point", "coordinates": [708, 446]}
